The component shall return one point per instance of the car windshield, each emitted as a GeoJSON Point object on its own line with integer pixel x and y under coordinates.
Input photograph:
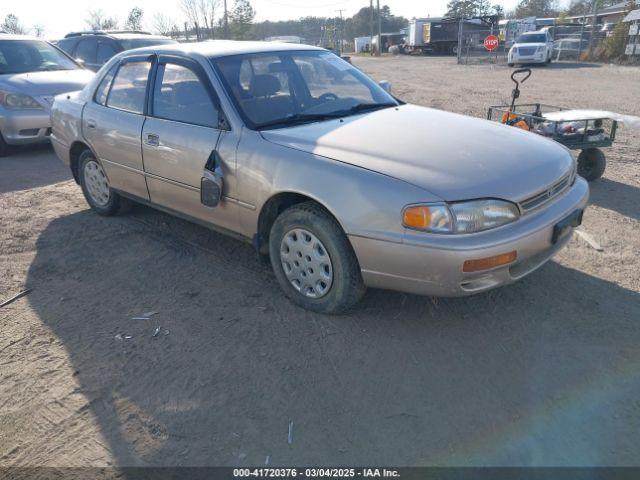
{"type": "Point", "coordinates": [130, 43]}
{"type": "Point", "coordinates": [532, 38]}
{"type": "Point", "coordinates": [23, 56]}
{"type": "Point", "coordinates": [275, 89]}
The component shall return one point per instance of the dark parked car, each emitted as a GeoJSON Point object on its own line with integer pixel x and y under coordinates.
{"type": "Point", "coordinates": [94, 48]}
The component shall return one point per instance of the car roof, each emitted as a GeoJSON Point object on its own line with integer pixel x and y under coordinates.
{"type": "Point", "coordinates": [129, 36]}
{"type": "Point", "coordinates": [222, 48]}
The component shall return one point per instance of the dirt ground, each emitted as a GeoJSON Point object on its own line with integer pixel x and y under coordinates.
{"type": "Point", "coordinates": [543, 372]}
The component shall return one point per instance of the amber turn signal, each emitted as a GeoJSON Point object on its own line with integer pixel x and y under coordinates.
{"type": "Point", "coordinates": [417, 217]}
{"type": "Point", "coordinates": [489, 262]}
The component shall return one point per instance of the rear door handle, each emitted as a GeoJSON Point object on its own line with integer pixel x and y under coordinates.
{"type": "Point", "coordinates": [91, 124]}
{"type": "Point", "coordinates": [152, 140]}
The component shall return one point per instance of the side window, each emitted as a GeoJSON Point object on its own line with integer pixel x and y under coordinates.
{"type": "Point", "coordinates": [103, 89]}
{"type": "Point", "coordinates": [105, 52]}
{"type": "Point", "coordinates": [67, 44]}
{"type": "Point", "coordinates": [86, 50]}
{"type": "Point", "coordinates": [129, 87]}
{"type": "Point", "coordinates": [180, 96]}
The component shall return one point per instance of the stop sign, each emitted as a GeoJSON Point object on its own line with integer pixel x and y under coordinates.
{"type": "Point", "coordinates": [491, 42]}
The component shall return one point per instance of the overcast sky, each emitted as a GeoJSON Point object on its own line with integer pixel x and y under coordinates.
{"type": "Point", "coordinates": [62, 16]}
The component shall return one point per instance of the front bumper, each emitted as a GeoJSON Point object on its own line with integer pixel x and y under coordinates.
{"type": "Point", "coordinates": [523, 59]}
{"type": "Point", "coordinates": [21, 127]}
{"type": "Point", "coordinates": [428, 264]}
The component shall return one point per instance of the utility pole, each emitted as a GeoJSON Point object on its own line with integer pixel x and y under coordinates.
{"type": "Point", "coordinates": [379, 49]}
{"type": "Point", "coordinates": [594, 11]}
{"type": "Point", "coordinates": [226, 22]}
{"type": "Point", "coordinates": [371, 27]}
{"type": "Point", "coordinates": [341, 37]}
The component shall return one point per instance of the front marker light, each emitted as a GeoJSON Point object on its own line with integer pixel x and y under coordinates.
{"type": "Point", "coordinates": [478, 215]}
{"type": "Point", "coordinates": [434, 218]}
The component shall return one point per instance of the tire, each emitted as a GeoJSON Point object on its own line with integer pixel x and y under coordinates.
{"type": "Point", "coordinates": [4, 148]}
{"type": "Point", "coordinates": [591, 164]}
{"type": "Point", "coordinates": [327, 248]}
{"type": "Point", "coordinates": [453, 49]}
{"type": "Point", "coordinates": [90, 174]}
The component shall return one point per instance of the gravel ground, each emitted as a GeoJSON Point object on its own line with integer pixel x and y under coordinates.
{"type": "Point", "coordinates": [543, 372]}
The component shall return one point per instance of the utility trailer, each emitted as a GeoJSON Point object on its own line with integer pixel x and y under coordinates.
{"type": "Point", "coordinates": [441, 35]}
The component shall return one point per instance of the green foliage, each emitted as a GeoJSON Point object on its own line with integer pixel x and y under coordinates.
{"type": "Point", "coordinates": [241, 20]}
{"type": "Point", "coordinates": [612, 48]}
{"type": "Point", "coordinates": [472, 8]}
{"type": "Point", "coordinates": [134, 20]}
{"type": "Point", "coordinates": [536, 8]}
{"type": "Point", "coordinates": [11, 24]}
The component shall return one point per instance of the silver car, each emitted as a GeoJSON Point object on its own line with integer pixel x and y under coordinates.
{"type": "Point", "coordinates": [343, 186]}
{"type": "Point", "coordinates": [32, 72]}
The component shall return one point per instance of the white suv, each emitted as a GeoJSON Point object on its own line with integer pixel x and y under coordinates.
{"type": "Point", "coordinates": [531, 47]}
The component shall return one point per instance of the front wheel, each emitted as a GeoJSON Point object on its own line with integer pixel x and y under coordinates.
{"type": "Point", "coordinates": [95, 187]}
{"type": "Point", "coordinates": [591, 164]}
{"type": "Point", "coordinates": [313, 260]}
{"type": "Point", "coordinates": [4, 148]}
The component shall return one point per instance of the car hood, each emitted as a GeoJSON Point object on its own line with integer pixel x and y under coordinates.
{"type": "Point", "coordinates": [46, 83]}
{"type": "Point", "coordinates": [518, 45]}
{"type": "Point", "coordinates": [453, 156]}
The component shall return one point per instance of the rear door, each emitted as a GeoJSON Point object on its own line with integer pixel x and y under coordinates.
{"type": "Point", "coordinates": [86, 52]}
{"type": "Point", "coordinates": [112, 123]}
{"type": "Point", "coordinates": [180, 136]}
{"type": "Point", "coordinates": [107, 48]}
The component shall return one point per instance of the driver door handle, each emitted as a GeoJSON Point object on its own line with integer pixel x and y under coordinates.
{"type": "Point", "coordinates": [91, 124]}
{"type": "Point", "coordinates": [152, 140]}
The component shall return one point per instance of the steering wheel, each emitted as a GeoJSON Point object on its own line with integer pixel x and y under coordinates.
{"type": "Point", "coordinates": [328, 97]}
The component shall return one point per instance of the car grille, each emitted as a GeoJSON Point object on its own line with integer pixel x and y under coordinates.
{"type": "Point", "coordinates": [549, 194]}
{"type": "Point", "coordinates": [527, 50]}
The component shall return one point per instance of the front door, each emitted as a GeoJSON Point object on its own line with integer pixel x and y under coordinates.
{"type": "Point", "coordinates": [180, 135]}
{"type": "Point", "coordinates": [112, 124]}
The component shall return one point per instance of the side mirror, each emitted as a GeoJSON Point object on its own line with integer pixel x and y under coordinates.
{"type": "Point", "coordinates": [80, 61]}
{"type": "Point", "coordinates": [211, 183]}
{"type": "Point", "coordinates": [386, 86]}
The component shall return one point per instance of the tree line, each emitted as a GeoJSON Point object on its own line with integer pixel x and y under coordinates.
{"type": "Point", "coordinates": [205, 19]}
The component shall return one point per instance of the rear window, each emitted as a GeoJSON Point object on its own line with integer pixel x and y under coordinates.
{"type": "Point", "coordinates": [130, 87]}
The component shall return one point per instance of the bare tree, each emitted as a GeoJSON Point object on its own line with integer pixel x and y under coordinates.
{"type": "Point", "coordinates": [163, 25]}
{"type": "Point", "coordinates": [201, 13]}
{"type": "Point", "coordinates": [97, 20]}
{"type": "Point", "coordinates": [38, 30]}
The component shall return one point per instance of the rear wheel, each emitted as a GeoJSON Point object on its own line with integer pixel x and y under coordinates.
{"type": "Point", "coordinates": [95, 187]}
{"type": "Point", "coordinates": [313, 260]}
{"type": "Point", "coordinates": [591, 164]}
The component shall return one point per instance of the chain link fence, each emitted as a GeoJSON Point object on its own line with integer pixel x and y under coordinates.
{"type": "Point", "coordinates": [471, 49]}
{"type": "Point", "coordinates": [571, 43]}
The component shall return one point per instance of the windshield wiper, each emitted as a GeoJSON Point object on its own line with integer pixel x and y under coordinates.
{"type": "Point", "coordinates": [297, 118]}
{"type": "Point", "coordinates": [363, 107]}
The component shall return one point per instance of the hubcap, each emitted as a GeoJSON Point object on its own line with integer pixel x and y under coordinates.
{"type": "Point", "coordinates": [306, 263]}
{"type": "Point", "coordinates": [96, 182]}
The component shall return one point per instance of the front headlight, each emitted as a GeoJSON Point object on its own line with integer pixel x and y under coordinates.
{"type": "Point", "coordinates": [540, 49]}
{"type": "Point", "coordinates": [479, 215]}
{"type": "Point", "coordinates": [18, 101]}
{"type": "Point", "coordinates": [460, 217]}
